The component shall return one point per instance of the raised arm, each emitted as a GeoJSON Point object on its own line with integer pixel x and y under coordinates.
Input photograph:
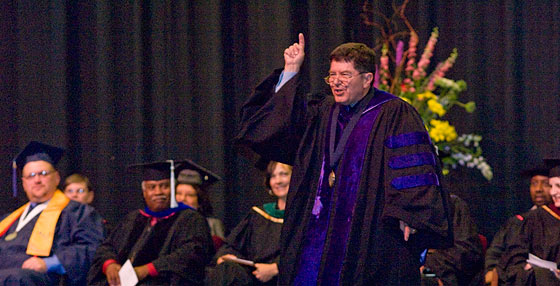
{"type": "Point", "coordinates": [273, 121]}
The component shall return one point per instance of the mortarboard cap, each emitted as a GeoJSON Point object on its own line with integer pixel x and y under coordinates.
{"type": "Point", "coordinates": [194, 174]}
{"type": "Point", "coordinates": [153, 171]}
{"type": "Point", "coordinates": [529, 173]}
{"type": "Point", "coordinates": [156, 171]}
{"type": "Point", "coordinates": [37, 151]}
{"type": "Point", "coordinates": [554, 164]}
{"type": "Point", "coordinates": [34, 151]}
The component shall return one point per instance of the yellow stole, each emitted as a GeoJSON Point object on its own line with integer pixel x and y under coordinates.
{"type": "Point", "coordinates": [41, 240]}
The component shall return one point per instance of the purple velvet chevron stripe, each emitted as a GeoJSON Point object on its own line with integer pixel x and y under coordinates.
{"type": "Point", "coordinates": [412, 160]}
{"type": "Point", "coordinates": [407, 139]}
{"type": "Point", "coordinates": [413, 181]}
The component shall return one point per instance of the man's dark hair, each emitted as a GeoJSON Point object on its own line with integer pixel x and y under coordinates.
{"type": "Point", "coordinates": [361, 55]}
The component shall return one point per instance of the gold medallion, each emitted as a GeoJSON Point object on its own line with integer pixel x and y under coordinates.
{"type": "Point", "coordinates": [10, 236]}
{"type": "Point", "coordinates": [332, 179]}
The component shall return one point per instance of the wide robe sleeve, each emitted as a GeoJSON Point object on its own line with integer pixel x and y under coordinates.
{"type": "Point", "coordinates": [413, 192]}
{"type": "Point", "coordinates": [111, 246]}
{"type": "Point", "coordinates": [235, 243]}
{"type": "Point", "coordinates": [501, 240]}
{"type": "Point", "coordinates": [75, 251]}
{"type": "Point", "coordinates": [188, 249]}
{"type": "Point", "coordinates": [272, 123]}
{"type": "Point", "coordinates": [459, 264]}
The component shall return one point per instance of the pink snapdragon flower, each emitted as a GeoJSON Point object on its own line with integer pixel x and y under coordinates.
{"type": "Point", "coordinates": [441, 69]}
{"type": "Point", "coordinates": [412, 44]}
{"type": "Point", "coordinates": [420, 71]}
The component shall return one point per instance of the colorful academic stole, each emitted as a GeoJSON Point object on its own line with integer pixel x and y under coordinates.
{"type": "Point", "coordinates": [551, 212]}
{"type": "Point", "coordinates": [41, 240]}
{"type": "Point", "coordinates": [267, 216]}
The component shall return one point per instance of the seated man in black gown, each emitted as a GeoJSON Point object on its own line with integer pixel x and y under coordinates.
{"type": "Point", "coordinates": [538, 235]}
{"type": "Point", "coordinates": [49, 237]}
{"type": "Point", "coordinates": [539, 192]}
{"type": "Point", "coordinates": [165, 245]}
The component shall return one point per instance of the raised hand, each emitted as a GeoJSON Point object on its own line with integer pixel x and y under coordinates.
{"type": "Point", "coordinates": [294, 55]}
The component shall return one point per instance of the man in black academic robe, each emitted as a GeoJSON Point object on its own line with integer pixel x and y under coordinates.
{"type": "Point", "coordinates": [25, 256]}
{"type": "Point", "coordinates": [539, 192]}
{"type": "Point", "coordinates": [462, 263]}
{"type": "Point", "coordinates": [538, 235]}
{"type": "Point", "coordinates": [166, 246]}
{"type": "Point", "coordinates": [362, 213]}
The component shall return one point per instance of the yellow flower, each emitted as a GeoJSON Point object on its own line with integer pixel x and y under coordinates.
{"type": "Point", "coordinates": [405, 99]}
{"type": "Point", "coordinates": [442, 131]}
{"type": "Point", "coordinates": [436, 107]}
{"type": "Point", "coordinates": [426, 95]}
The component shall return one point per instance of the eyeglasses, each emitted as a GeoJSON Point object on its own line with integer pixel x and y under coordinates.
{"type": "Point", "coordinates": [72, 191]}
{"type": "Point", "coordinates": [40, 174]}
{"type": "Point", "coordinates": [344, 77]}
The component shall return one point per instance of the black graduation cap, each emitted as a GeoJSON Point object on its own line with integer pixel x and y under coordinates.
{"type": "Point", "coordinates": [554, 164]}
{"type": "Point", "coordinates": [152, 171]}
{"type": "Point", "coordinates": [529, 173]}
{"type": "Point", "coordinates": [34, 151]}
{"type": "Point", "coordinates": [194, 174]}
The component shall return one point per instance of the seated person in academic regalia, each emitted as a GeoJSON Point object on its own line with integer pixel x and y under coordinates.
{"type": "Point", "coordinates": [539, 194]}
{"type": "Point", "coordinates": [256, 238]}
{"type": "Point", "coordinates": [51, 237]}
{"type": "Point", "coordinates": [462, 263]}
{"type": "Point", "coordinates": [77, 187]}
{"type": "Point", "coordinates": [539, 235]}
{"type": "Point", "coordinates": [192, 182]}
{"type": "Point", "coordinates": [167, 243]}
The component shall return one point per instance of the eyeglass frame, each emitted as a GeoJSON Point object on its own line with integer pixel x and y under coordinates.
{"type": "Point", "coordinates": [77, 191]}
{"type": "Point", "coordinates": [40, 174]}
{"type": "Point", "coordinates": [341, 76]}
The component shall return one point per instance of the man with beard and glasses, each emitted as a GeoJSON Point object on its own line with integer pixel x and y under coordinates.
{"type": "Point", "coordinates": [166, 243]}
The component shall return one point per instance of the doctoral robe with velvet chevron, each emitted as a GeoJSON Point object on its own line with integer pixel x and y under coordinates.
{"type": "Point", "coordinates": [349, 234]}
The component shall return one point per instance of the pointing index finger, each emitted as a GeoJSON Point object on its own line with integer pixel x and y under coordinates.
{"type": "Point", "coordinates": [301, 40]}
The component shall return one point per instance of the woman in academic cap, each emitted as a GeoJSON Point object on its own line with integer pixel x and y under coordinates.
{"type": "Point", "coordinates": [251, 252]}
{"type": "Point", "coordinates": [191, 190]}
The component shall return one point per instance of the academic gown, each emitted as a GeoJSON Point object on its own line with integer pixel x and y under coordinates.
{"type": "Point", "coordinates": [179, 248]}
{"type": "Point", "coordinates": [462, 263]}
{"type": "Point", "coordinates": [78, 232]}
{"type": "Point", "coordinates": [539, 235]}
{"type": "Point", "coordinates": [502, 239]}
{"type": "Point", "coordinates": [255, 238]}
{"type": "Point", "coordinates": [388, 172]}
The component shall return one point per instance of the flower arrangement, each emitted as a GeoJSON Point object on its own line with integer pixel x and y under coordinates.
{"type": "Point", "coordinates": [431, 93]}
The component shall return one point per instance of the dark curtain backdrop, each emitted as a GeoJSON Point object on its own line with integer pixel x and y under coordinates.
{"type": "Point", "coordinates": [122, 82]}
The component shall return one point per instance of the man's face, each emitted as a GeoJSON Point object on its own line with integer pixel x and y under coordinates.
{"type": "Point", "coordinates": [156, 194]}
{"type": "Point", "coordinates": [555, 190]}
{"type": "Point", "coordinates": [540, 190]}
{"type": "Point", "coordinates": [40, 181]}
{"type": "Point", "coordinates": [348, 85]}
